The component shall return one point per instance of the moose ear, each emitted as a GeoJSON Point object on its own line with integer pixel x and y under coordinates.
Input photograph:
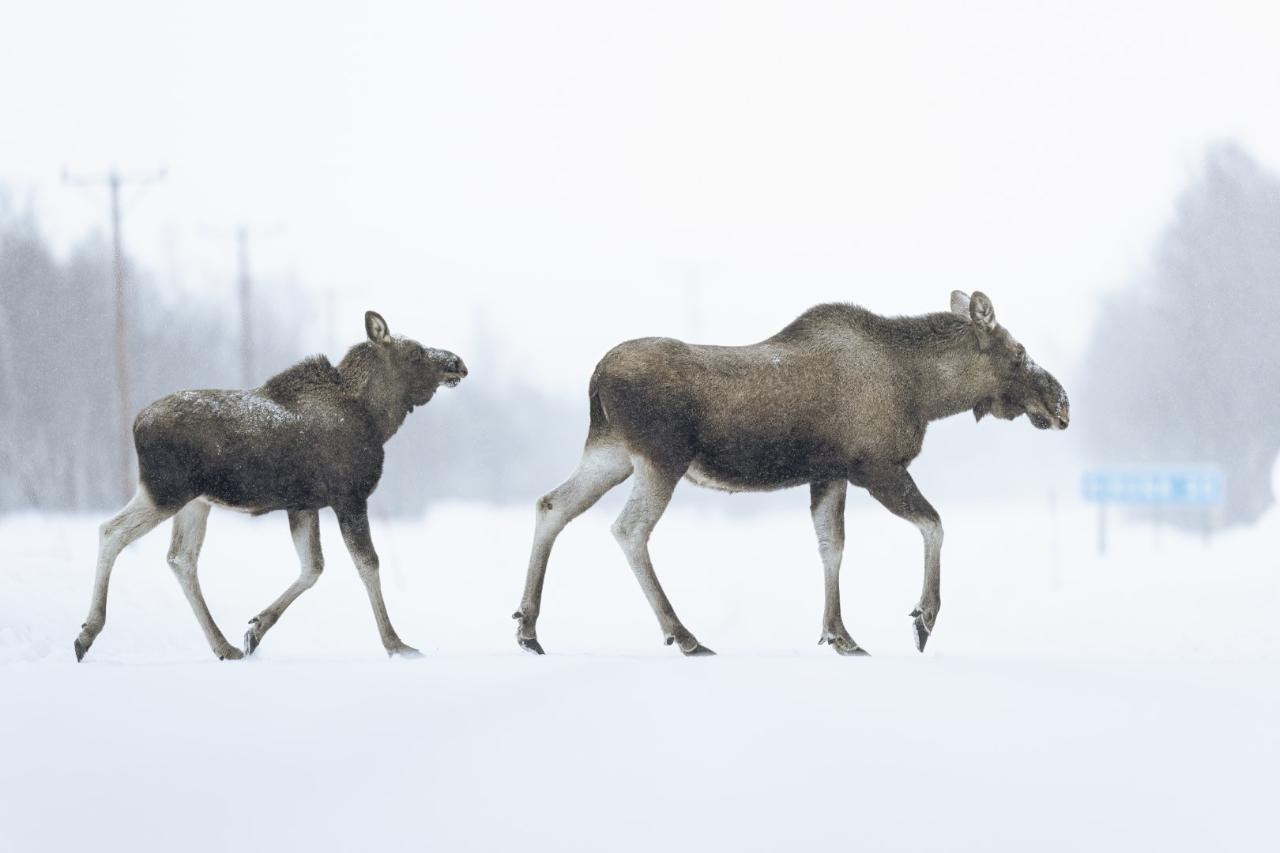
{"type": "Point", "coordinates": [960, 303]}
{"type": "Point", "coordinates": [376, 328]}
{"type": "Point", "coordinates": [981, 311]}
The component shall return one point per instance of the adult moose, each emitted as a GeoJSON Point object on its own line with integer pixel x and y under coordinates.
{"type": "Point", "coordinates": [839, 396]}
{"type": "Point", "coordinates": [310, 437]}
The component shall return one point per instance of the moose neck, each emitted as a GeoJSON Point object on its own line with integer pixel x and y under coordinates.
{"type": "Point", "coordinates": [369, 379]}
{"type": "Point", "coordinates": [952, 379]}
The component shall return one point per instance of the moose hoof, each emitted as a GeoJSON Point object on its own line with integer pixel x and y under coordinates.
{"type": "Point", "coordinates": [403, 651]}
{"type": "Point", "coordinates": [251, 638]}
{"type": "Point", "coordinates": [80, 648]}
{"type": "Point", "coordinates": [923, 616]}
{"type": "Point", "coordinates": [843, 644]}
{"type": "Point", "coordinates": [230, 653]}
{"type": "Point", "coordinates": [686, 643]}
{"type": "Point", "coordinates": [848, 648]}
{"type": "Point", "coordinates": [922, 633]}
{"type": "Point", "coordinates": [529, 644]}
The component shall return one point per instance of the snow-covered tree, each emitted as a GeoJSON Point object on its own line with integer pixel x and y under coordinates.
{"type": "Point", "coordinates": [1184, 365]}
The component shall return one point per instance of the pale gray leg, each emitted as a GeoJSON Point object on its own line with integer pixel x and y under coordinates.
{"type": "Point", "coordinates": [139, 517]}
{"type": "Point", "coordinates": [184, 551]}
{"type": "Point", "coordinates": [649, 498]}
{"type": "Point", "coordinates": [897, 491]}
{"type": "Point", "coordinates": [926, 612]}
{"type": "Point", "coordinates": [304, 524]}
{"type": "Point", "coordinates": [353, 519]}
{"type": "Point", "coordinates": [603, 466]}
{"type": "Point", "coordinates": [826, 505]}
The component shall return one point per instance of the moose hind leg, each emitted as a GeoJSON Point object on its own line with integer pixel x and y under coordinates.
{"type": "Point", "coordinates": [826, 505]}
{"type": "Point", "coordinates": [649, 498]}
{"type": "Point", "coordinates": [603, 466]}
{"type": "Point", "coordinates": [898, 493]}
{"type": "Point", "coordinates": [139, 517]}
{"type": "Point", "coordinates": [304, 525]}
{"type": "Point", "coordinates": [184, 550]}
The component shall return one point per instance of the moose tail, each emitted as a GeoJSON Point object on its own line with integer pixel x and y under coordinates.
{"type": "Point", "coordinates": [599, 420]}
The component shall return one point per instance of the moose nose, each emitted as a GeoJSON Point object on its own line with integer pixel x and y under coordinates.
{"type": "Point", "coordinates": [456, 366]}
{"type": "Point", "coordinates": [1064, 417]}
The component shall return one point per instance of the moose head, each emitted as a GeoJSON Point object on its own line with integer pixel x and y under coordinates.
{"type": "Point", "coordinates": [1021, 387]}
{"type": "Point", "coordinates": [413, 370]}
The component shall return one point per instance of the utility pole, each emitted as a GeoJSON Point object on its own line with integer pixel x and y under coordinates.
{"type": "Point", "coordinates": [246, 307]}
{"type": "Point", "coordinates": [244, 295]}
{"type": "Point", "coordinates": [114, 180]}
{"type": "Point", "coordinates": [693, 304]}
{"type": "Point", "coordinates": [331, 323]}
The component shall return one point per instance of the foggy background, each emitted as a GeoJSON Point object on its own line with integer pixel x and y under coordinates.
{"type": "Point", "coordinates": [530, 184]}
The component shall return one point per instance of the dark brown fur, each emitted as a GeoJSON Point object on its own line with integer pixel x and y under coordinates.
{"type": "Point", "coordinates": [310, 437]}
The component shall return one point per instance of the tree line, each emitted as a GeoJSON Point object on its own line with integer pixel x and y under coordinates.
{"type": "Point", "coordinates": [498, 442]}
{"type": "Point", "coordinates": [1182, 367]}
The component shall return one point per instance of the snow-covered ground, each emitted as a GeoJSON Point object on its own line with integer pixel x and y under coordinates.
{"type": "Point", "coordinates": [1066, 701]}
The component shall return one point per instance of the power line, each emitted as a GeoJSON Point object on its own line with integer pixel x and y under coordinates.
{"type": "Point", "coordinates": [113, 181]}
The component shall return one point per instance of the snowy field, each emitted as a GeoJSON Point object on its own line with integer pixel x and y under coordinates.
{"type": "Point", "coordinates": [1066, 701]}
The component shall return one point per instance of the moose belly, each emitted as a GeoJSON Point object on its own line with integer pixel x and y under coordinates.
{"type": "Point", "coordinates": [262, 485]}
{"type": "Point", "coordinates": [710, 478]}
{"type": "Point", "coordinates": [764, 466]}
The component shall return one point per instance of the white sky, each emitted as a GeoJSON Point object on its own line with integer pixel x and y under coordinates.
{"type": "Point", "coordinates": [569, 170]}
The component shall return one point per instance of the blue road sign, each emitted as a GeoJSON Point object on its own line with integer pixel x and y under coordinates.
{"type": "Point", "coordinates": [1168, 486]}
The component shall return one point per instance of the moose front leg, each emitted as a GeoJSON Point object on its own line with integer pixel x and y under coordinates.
{"type": "Point", "coordinates": [897, 491]}
{"type": "Point", "coordinates": [354, 523]}
{"type": "Point", "coordinates": [826, 505]}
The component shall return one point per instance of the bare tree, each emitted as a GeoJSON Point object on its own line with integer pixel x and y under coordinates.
{"type": "Point", "coordinates": [57, 448]}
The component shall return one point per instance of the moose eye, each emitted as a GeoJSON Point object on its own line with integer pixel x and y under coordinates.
{"type": "Point", "coordinates": [1020, 355]}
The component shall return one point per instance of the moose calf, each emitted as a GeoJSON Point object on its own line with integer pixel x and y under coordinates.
{"type": "Point", "coordinates": [311, 437]}
{"type": "Point", "coordinates": [839, 396]}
